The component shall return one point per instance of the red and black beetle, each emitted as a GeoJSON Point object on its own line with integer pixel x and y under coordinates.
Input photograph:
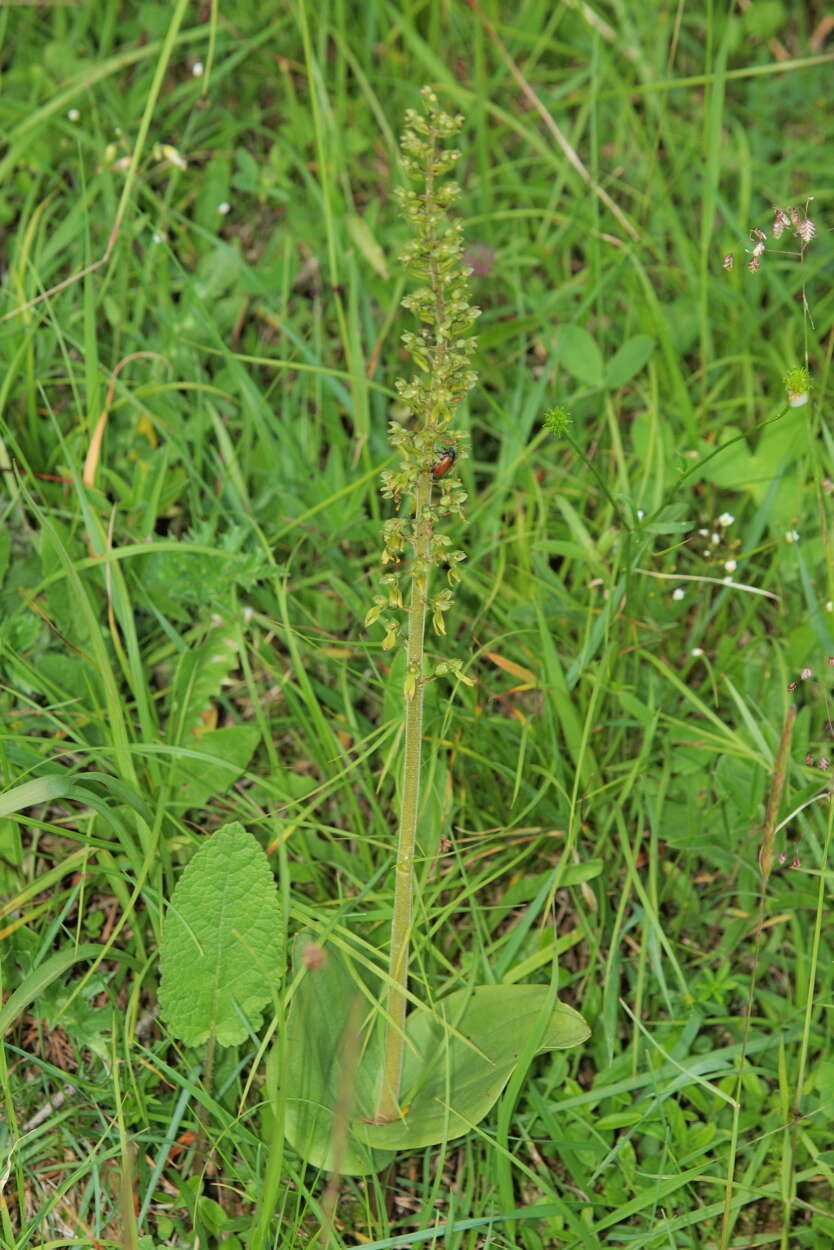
{"type": "Point", "coordinates": [448, 456]}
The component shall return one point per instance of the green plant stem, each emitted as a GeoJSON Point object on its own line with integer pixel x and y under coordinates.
{"type": "Point", "coordinates": [394, 1043]}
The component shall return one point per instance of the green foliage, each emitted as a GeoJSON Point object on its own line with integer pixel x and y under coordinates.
{"type": "Point", "coordinates": [221, 948]}
{"type": "Point", "coordinates": [213, 763]}
{"type": "Point", "coordinates": [38, 981]}
{"type": "Point", "coordinates": [579, 353]}
{"type": "Point", "coordinates": [208, 761]}
{"type": "Point", "coordinates": [628, 361]}
{"type": "Point", "coordinates": [332, 1064]}
{"type": "Point", "coordinates": [596, 798]}
{"type": "Point", "coordinates": [197, 574]}
{"type": "Point", "coordinates": [764, 471]}
{"type": "Point", "coordinates": [199, 677]}
{"type": "Point", "coordinates": [764, 20]}
{"type": "Point", "coordinates": [460, 1053]}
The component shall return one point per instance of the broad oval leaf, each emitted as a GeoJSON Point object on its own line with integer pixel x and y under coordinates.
{"type": "Point", "coordinates": [461, 1054]}
{"type": "Point", "coordinates": [221, 947]}
{"type": "Point", "coordinates": [578, 352]}
{"type": "Point", "coordinates": [332, 1066]}
{"type": "Point", "coordinates": [629, 360]}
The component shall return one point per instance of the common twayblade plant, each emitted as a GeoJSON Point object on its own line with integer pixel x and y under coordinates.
{"type": "Point", "coordinates": [426, 490]}
{"type": "Point", "coordinates": [356, 1076]}
{"type": "Point", "coordinates": [427, 1075]}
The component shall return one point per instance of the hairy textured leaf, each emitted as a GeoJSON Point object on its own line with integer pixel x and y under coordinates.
{"type": "Point", "coordinates": [221, 947]}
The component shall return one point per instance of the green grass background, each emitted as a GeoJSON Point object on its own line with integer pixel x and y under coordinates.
{"type": "Point", "coordinates": [200, 246]}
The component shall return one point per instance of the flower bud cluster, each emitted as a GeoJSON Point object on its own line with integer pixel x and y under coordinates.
{"type": "Point", "coordinates": [441, 348]}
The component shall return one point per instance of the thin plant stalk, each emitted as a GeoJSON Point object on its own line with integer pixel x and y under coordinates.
{"type": "Point", "coordinates": [441, 349]}
{"type": "Point", "coordinates": [394, 1043]}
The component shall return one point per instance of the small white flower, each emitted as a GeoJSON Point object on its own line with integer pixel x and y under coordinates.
{"type": "Point", "coordinates": [172, 156]}
{"type": "Point", "coordinates": [640, 514]}
{"type": "Point", "coordinates": [224, 208]}
{"type": "Point", "coordinates": [726, 519]}
{"type": "Point", "coordinates": [792, 536]}
{"type": "Point", "coordinates": [703, 533]}
{"type": "Point", "coordinates": [829, 607]}
{"type": "Point", "coordinates": [797, 399]}
{"type": "Point", "coordinates": [716, 538]}
{"type": "Point", "coordinates": [730, 566]}
{"type": "Point", "coordinates": [696, 652]}
{"type": "Point", "coordinates": [678, 593]}
{"type": "Point", "coordinates": [73, 115]}
{"type": "Point", "coordinates": [197, 68]}
{"type": "Point", "coordinates": [158, 236]}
